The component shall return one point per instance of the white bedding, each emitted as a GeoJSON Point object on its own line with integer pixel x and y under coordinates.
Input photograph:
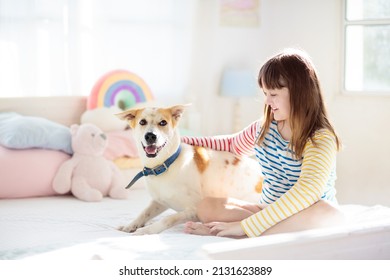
{"type": "Point", "coordinates": [64, 227]}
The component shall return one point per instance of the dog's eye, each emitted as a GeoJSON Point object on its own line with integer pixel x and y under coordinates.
{"type": "Point", "coordinates": [163, 123]}
{"type": "Point", "coordinates": [143, 122]}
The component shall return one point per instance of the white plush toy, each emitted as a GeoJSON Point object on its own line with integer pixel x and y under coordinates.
{"type": "Point", "coordinates": [88, 175]}
{"type": "Point", "coordinates": [104, 118]}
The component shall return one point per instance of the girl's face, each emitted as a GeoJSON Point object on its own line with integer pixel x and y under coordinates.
{"type": "Point", "coordinates": [279, 102]}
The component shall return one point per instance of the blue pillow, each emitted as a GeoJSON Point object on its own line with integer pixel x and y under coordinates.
{"type": "Point", "coordinates": [24, 132]}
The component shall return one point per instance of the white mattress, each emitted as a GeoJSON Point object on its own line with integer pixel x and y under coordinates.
{"type": "Point", "coordinates": [64, 227]}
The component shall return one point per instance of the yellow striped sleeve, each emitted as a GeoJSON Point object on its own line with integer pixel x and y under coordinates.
{"type": "Point", "coordinates": [318, 161]}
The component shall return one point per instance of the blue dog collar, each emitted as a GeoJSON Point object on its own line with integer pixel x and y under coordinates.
{"type": "Point", "coordinates": [156, 170]}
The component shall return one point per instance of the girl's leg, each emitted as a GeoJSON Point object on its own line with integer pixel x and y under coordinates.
{"type": "Point", "coordinates": [213, 209]}
{"type": "Point", "coordinates": [319, 215]}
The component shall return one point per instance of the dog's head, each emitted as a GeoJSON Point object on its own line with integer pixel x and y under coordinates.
{"type": "Point", "coordinates": [154, 128]}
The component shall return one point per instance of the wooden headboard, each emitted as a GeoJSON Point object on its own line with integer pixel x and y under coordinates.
{"type": "Point", "coordinates": [66, 110]}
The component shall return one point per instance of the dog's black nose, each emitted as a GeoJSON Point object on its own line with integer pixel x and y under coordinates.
{"type": "Point", "coordinates": [150, 138]}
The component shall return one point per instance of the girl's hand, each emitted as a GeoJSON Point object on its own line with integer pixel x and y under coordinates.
{"type": "Point", "coordinates": [232, 229]}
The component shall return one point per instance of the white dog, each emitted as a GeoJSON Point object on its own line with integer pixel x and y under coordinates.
{"type": "Point", "coordinates": [178, 175]}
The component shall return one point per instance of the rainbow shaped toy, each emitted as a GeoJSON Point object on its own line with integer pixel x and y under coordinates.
{"type": "Point", "coordinates": [119, 87]}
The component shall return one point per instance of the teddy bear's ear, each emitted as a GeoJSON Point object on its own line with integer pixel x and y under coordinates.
{"type": "Point", "coordinates": [73, 129]}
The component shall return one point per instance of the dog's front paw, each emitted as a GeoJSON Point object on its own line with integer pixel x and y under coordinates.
{"type": "Point", "coordinates": [129, 228]}
{"type": "Point", "coordinates": [149, 229]}
{"type": "Point", "coordinates": [144, 231]}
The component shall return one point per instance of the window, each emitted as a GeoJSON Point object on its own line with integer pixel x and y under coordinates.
{"type": "Point", "coordinates": [367, 46]}
{"type": "Point", "coordinates": [62, 47]}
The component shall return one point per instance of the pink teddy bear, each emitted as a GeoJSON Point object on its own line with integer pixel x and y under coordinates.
{"type": "Point", "coordinates": [88, 175]}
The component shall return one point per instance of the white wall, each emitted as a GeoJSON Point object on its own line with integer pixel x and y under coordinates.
{"type": "Point", "coordinates": [316, 26]}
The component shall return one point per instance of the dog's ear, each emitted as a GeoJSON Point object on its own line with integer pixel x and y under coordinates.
{"type": "Point", "coordinates": [177, 111]}
{"type": "Point", "coordinates": [128, 116]}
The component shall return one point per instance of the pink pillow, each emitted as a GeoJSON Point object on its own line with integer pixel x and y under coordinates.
{"type": "Point", "coordinates": [120, 144]}
{"type": "Point", "coordinates": [28, 172]}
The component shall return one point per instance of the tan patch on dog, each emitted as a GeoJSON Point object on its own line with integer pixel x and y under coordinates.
{"type": "Point", "coordinates": [259, 185]}
{"type": "Point", "coordinates": [172, 114]}
{"type": "Point", "coordinates": [201, 158]}
{"type": "Point", "coordinates": [165, 114]}
{"type": "Point", "coordinates": [236, 161]}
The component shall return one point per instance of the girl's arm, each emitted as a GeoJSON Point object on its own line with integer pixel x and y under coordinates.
{"type": "Point", "coordinates": [317, 165]}
{"type": "Point", "coordinates": [241, 143]}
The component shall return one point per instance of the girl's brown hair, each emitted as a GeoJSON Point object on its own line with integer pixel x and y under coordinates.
{"type": "Point", "coordinates": [293, 69]}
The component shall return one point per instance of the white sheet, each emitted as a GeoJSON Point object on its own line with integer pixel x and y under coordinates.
{"type": "Point", "coordinates": [366, 237]}
{"type": "Point", "coordinates": [64, 227]}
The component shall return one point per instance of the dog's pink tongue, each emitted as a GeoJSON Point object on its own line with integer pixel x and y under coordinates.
{"type": "Point", "coordinates": [152, 149]}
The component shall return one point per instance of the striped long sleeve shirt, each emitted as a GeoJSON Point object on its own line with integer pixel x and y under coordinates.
{"type": "Point", "coordinates": [290, 185]}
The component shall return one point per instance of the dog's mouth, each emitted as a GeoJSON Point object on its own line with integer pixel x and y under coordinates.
{"type": "Point", "coordinates": [152, 150]}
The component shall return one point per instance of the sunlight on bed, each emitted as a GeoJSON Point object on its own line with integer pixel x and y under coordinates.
{"type": "Point", "coordinates": [132, 247]}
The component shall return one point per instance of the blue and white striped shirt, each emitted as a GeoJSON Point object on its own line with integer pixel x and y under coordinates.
{"type": "Point", "coordinates": [281, 171]}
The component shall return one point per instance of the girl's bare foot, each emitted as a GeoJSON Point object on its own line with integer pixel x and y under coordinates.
{"type": "Point", "coordinates": [196, 228]}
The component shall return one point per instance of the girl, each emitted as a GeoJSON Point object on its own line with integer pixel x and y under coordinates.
{"type": "Point", "coordinates": [296, 147]}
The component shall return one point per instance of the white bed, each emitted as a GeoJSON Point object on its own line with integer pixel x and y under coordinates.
{"type": "Point", "coordinates": [63, 227]}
